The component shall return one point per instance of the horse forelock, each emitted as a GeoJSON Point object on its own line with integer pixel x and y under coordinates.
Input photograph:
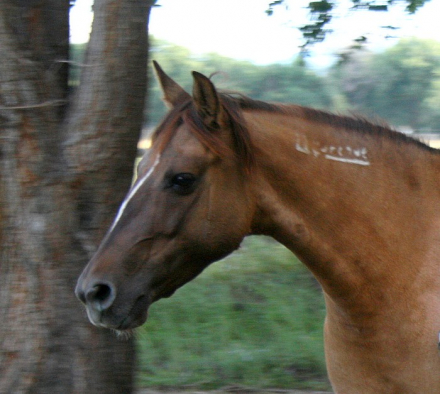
{"type": "Point", "coordinates": [185, 113]}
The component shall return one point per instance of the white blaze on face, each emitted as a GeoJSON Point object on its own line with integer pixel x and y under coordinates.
{"type": "Point", "coordinates": [133, 191]}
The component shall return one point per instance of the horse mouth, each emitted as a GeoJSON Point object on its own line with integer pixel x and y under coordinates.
{"type": "Point", "coordinates": [136, 316]}
{"type": "Point", "coordinates": [138, 313]}
{"type": "Point", "coordinates": [121, 321]}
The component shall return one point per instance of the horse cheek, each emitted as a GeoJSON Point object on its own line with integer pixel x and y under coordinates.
{"type": "Point", "coordinates": [170, 219]}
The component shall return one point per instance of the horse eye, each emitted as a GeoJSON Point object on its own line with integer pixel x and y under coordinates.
{"type": "Point", "coordinates": [183, 183]}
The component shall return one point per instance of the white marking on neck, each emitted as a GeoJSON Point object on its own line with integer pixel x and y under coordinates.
{"type": "Point", "coordinates": [343, 154]}
{"type": "Point", "coordinates": [302, 149]}
{"type": "Point", "coordinates": [348, 160]}
{"type": "Point", "coordinates": [133, 191]}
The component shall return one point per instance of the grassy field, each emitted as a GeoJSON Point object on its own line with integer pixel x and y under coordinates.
{"type": "Point", "coordinates": [253, 320]}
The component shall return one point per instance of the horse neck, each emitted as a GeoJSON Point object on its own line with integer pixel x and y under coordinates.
{"type": "Point", "coordinates": [352, 206]}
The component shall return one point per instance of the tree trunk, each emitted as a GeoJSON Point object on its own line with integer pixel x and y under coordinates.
{"type": "Point", "coordinates": [66, 163]}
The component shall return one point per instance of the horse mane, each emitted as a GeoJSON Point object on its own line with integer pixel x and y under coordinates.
{"type": "Point", "coordinates": [234, 104]}
{"type": "Point", "coordinates": [354, 123]}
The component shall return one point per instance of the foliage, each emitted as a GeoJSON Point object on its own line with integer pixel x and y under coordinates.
{"type": "Point", "coordinates": [400, 85]}
{"type": "Point", "coordinates": [253, 319]}
{"type": "Point", "coordinates": [321, 13]}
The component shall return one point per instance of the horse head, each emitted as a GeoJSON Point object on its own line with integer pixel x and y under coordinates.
{"type": "Point", "coordinates": [190, 206]}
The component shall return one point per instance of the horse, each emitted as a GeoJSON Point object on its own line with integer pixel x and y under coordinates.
{"type": "Point", "coordinates": [355, 201]}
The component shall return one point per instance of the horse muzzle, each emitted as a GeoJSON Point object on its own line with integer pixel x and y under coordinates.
{"type": "Point", "coordinates": [105, 308]}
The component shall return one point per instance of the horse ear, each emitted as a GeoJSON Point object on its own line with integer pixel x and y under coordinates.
{"type": "Point", "coordinates": [173, 93]}
{"type": "Point", "coordinates": [207, 101]}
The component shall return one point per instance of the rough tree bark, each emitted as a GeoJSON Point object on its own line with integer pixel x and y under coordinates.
{"type": "Point", "coordinates": [65, 164]}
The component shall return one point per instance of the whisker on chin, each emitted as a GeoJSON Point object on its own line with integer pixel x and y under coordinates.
{"type": "Point", "coordinates": [124, 335]}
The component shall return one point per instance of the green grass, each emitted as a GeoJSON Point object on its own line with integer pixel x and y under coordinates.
{"type": "Point", "coordinates": [254, 319]}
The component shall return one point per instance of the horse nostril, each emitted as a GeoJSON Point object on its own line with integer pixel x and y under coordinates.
{"type": "Point", "coordinates": [80, 295]}
{"type": "Point", "coordinates": [100, 296]}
